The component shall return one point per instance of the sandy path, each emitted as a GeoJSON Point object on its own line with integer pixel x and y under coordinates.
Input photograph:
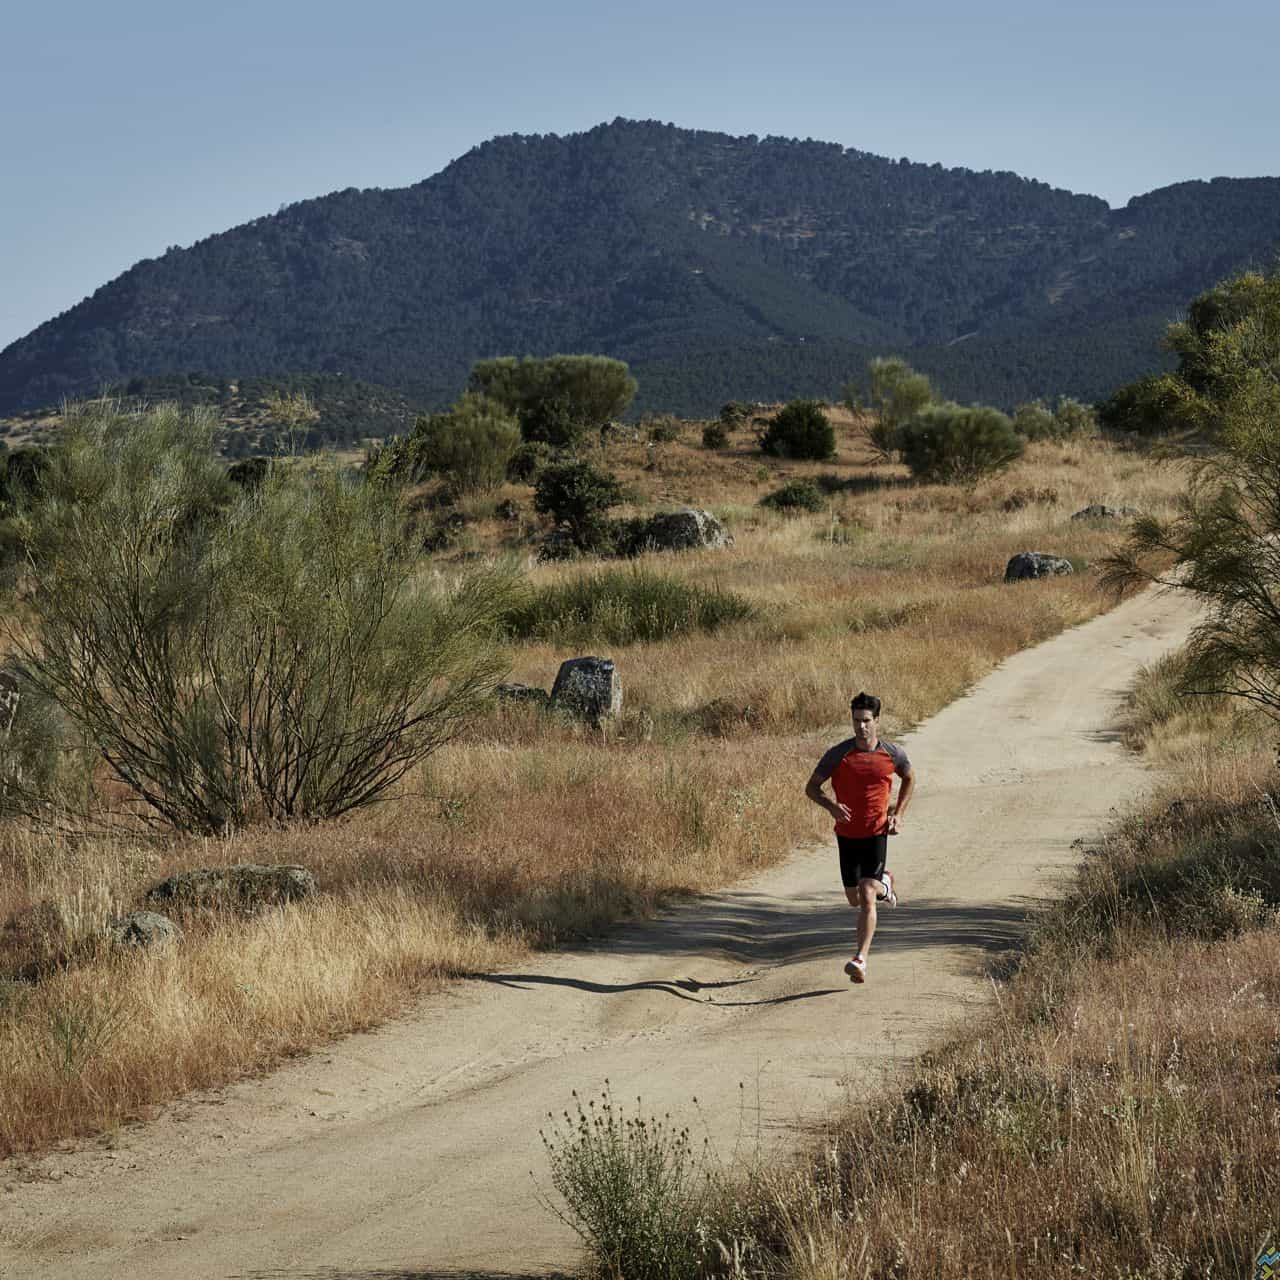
{"type": "Point", "coordinates": [407, 1152]}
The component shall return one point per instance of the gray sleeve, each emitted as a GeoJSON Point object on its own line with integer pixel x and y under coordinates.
{"type": "Point", "coordinates": [832, 757]}
{"type": "Point", "coordinates": [899, 758]}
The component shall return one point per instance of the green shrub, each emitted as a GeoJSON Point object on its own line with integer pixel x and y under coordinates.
{"type": "Point", "coordinates": [638, 1193]}
{"type": "Point", "coordinates": [470, 444]}
{"type": "Point", "coordinates": [576, 496]}
{"type": "Point", "coordinates": [896, 393]}
{"type": "Point", "coordinates": [1153, 405]}
{"type": "Point", "coordinates": [527, 461]}
{"type": "Point", "coordinates": [664, 430]}
{"type": "Point", "coordinates": [795, 495]}
{"type": "Point", "coordinates": [269, 653]}
{"type": "Point", "coordinates": [1035, 421]}
{"type": "Point", "coordinates": [559, 398]}
{"type": "Point", "coordinates": [715, 435]}
{"type": "Point", "coordinates": [955, 444]}
{"type": "Point", "coordinates": [733, 413]}
{"type": "Point", "coordinates": [800, 430]}
{"type": "Point", "coordinates": [1073, 419]}
{"type": "Point", "coordinates": [622, 606]}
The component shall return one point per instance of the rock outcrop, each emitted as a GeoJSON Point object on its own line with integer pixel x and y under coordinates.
{"type": "Point", "coordinates": [1100, 511]}
{"type": "Point", "coordinates": [684, 530]}
{"type": "Point", "coordinates": [588, 688]}
{"type": "Point", "coordinates": [246, 886]}
{"type": "Point", "coordinates": [1035, 564]}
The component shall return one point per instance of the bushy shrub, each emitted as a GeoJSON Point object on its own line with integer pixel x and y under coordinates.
{"type": "Point", "coordinates": [268, 653]}
{"type": "Point", "coordinates": [559, 398]}
{"type": "Point", "coordinates": [715, 435]}
{"type": "Point", "coordinates": [642, 1196]}
{"type": "Point", "coordinates": [664, 430]}
{"type": "Point", "coordinates": [576, 496]}
{"type": "Point", "coordinates": [896, 393]}
{"type": "Point", "coordinates": [1073, 420]}
{"type": "Point", "coordinates": [795, 495]}
{"type": "Point", "coordinates": [470, 444]}
{"type": "Point", "coordinates": [955, 444]}
{"type": "Point", "coordinates": [1151, 406]}
{"type": "Point", "coordinates": [800, 430]}
{"type": "Point", "coordinates": [1035, 421]}
{"type": "Point", "coordinates": [527, 461]}
{"type": "Point", "coordinates": [622, 606]}
{"type": "Point", "coordinates": [733, 413]}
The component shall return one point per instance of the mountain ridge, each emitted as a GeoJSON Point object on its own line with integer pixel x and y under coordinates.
{"type": "Point", "coordinates": [666, 247]}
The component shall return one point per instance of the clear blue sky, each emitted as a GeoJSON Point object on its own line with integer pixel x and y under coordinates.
{"type": "Point", "coordinates": [131, 126]}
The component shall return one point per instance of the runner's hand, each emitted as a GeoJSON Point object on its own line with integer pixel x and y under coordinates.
{"type": "Point", "coordinates": [895, 824]}
{"type": "Point", "coordinates": [840, 812]}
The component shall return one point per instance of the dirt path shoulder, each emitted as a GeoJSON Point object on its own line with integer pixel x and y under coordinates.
{"type": "Point", "coordinates": [407, 1152]}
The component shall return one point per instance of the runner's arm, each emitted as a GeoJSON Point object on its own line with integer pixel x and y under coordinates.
{"type": "Point", "coordinates": [905, 788]}
{"type": "Point", "coordinates": [813, 789]}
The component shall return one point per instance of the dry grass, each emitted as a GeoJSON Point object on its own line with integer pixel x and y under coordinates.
{"type": "Point", "coordinates": [1119, 1114]}
{"type": "Point", "coordinates": [529, 830]}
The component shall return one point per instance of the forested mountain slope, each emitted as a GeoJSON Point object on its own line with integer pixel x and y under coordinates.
{"type": "Point", "coordinates": [678, 251]}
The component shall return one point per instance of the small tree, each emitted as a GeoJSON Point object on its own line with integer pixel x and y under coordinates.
{"type": "Point", "coordinates": [1224, 543]}
{"type": "Point", "coordinates": [800, 430]}
{"type": "Point", "coordinates": [896, 393]}
{"type": "Point", "coordinates": [558, 399]}
{"type": "Point", "coordinates": [470, 444]}
{"type": "Point", "coordinates": [576, 496]}
{"type": "Point", "coordinates": [266, 652]}
{"type": "Point", "coordinates": [954, 444]}
{"type": "Point", "coordinates": [1034, 421]}
{"type": "Point", "coordinates": [715, 435]}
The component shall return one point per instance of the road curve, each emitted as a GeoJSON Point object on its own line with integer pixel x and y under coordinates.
{"type": "Point", "coordinates": [406, 1153]}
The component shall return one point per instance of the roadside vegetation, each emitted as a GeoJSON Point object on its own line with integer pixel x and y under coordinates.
{"type": "Point", "coordinates": [887, 583]}
{"type": "Point", "coordinates": [1117, 1111]}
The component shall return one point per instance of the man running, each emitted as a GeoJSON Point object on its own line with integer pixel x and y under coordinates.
{"type": "Point", "coordinates": [861, 771]}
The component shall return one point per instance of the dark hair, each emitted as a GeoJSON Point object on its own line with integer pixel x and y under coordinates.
{"type": "Point", "coordinates": [866, 702]}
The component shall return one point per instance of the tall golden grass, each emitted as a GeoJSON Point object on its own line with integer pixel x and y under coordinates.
{"type": "Point", "coordinates": [529, 831]}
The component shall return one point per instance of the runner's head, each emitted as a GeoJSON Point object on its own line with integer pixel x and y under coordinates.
{"type": "Point", "coordinates": [865, 709]}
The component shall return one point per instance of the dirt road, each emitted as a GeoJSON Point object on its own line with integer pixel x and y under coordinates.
{"type": "Point", "coordinates": [407, 1152]}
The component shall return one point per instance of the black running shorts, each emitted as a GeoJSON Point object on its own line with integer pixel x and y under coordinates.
{"type": "Point", "coordinates": [861, 858]}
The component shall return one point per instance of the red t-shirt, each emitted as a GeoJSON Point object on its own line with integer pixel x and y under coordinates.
{"type": "Point", "coordinates": [863, 782]}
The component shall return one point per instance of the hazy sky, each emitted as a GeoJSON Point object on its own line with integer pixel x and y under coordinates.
{"type": "Point", "coordinates": [132, 126]}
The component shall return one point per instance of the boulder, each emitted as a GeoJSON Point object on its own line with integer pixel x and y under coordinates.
{"type": "Point", "coordinates": [588, 688]}
{"type": "Point", "coordinates": [1035, 564]}
{"type": "Point", "coordinates": [684, 530]}
{"type": "Point", "coordinates": [246, 886]}
{"type": "Point", "coordinates": [142, 929]}
{"type": "Point", "coordinates": [1100, 511]}
{"type": "Point", "coordinates": [522, 693]}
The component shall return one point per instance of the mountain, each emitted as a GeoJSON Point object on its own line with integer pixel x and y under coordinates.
{"type": "Point", "coordinates": [716, 265]}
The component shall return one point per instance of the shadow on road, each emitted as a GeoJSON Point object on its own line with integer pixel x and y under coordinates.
{"type": "Point", "coordinates": [683, 988]}
{"type": "Point", "coordinates": [755, 930]}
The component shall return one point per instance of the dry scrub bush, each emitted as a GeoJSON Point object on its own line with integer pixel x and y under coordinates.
{"type": "Point", "coordinates": [267, 652]}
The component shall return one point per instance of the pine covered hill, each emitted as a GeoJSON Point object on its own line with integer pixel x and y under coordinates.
{"type": "Point", "coordinates": [718, 266]}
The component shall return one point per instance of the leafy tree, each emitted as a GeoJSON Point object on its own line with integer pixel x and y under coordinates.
{"type": "Point", "coordinates": [800, 430]}
{"type": "Point", "coordinates": [958, 444]}
{"type": "Point", "coordinates": [896, 393]}
{"type": "Point", "coordinates": [471, 444]}
{"type": "Point", "coordinates": [1073, 419]}
{"type": "Point", "coordinates": [1224, 542]}
{"type": "Point", "coordinates": [238, 653]}
{"type": "Point", "coordinates": [715, 435]}
{"type": "Point", "coordinates": [558, 399]}
{"type": "Point", "coordinates": [576, 496]}
{"type": "Point", "coordinates": [1153, 405]}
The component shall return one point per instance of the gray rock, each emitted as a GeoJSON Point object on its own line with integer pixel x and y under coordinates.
{"type": "Point", "coordinates": [1100, 511]}
{"type": "Point", "coordinates": [588, 688]}
{"type": "Point", "coordinates": [1035, 564]}
{"type": "Point", "coordinates": [246, 885]}
{"type": "Point", "coordinates": [522, 693]}
{"type": "Point", "coordinates": [142, 929]}
{"type": "Point", "coordinates": [684, 530]}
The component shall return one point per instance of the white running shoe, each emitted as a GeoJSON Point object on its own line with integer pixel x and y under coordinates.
{"type": "Point", "coordinates": [888, 897]}
{"type": "Point", "coordinates": [856, 969]}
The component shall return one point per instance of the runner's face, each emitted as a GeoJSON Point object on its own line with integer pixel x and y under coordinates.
{"type": "Point", "coordinates": [864, 726]}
